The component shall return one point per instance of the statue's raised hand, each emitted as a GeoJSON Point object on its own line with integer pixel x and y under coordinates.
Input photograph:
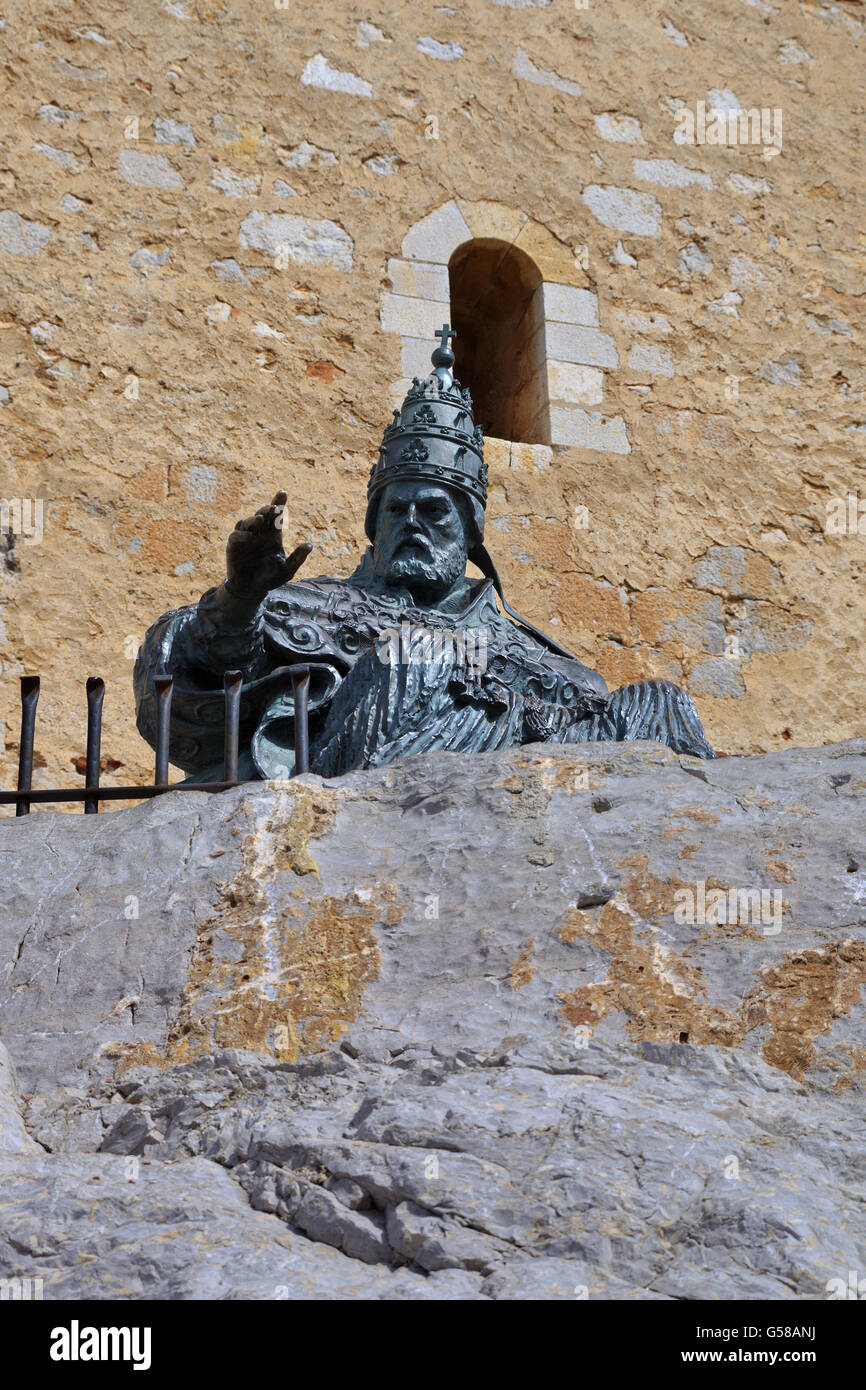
{"type": "Point", "coordinates": [255, 559]}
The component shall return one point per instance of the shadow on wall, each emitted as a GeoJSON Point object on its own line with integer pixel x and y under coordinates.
{"type": "Point", "coordinates": [497, 310]}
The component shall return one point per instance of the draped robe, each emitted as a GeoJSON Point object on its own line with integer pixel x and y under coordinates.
{"type": "Point", "coordinates": [388, 679]}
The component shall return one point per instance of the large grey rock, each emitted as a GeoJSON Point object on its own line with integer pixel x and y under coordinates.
{"type": "Point", "coordinates": [98, 1228]}
{"type": "Point", "coordinates": [447, 1029]}
{"type": "Point", "coordinates": [13, 1134]}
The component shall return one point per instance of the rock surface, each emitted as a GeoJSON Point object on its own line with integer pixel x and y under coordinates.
{"type": "Point", "coordinates": [447, 1029]}
{"type": "Point", "coordinates": [14, 1138]}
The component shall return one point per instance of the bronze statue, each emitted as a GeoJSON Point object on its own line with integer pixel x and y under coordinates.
{"type": "Point", "coordinates": [407, 654]}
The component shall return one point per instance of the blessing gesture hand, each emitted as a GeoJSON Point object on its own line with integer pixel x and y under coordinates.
{"type": "Point", "coordinates": [255, 559]}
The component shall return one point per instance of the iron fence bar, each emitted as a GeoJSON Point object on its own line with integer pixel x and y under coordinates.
{"type": "Point", "coordinates": [301, 690]}
{"type": "Point", "coordinates": [95, 696]}
{"type": "Point", "coordinates": [232, 682]}
{"type": "Point", "coordinates": [92, 793]}
{"type": "Point", "coordinates": [29, 700]}
{"type": "Point", "coordinates": [164, 686]}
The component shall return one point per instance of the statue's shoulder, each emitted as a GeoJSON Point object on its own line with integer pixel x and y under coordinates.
{"type": "Point", "coordinates": [307, 594]}
{"type": "Point", "coordinates": [582, 676]}
{"type": "Point", "coordinates": [166, 630]}
{"type": "Point", "coordinates": [567, 668]}
{"type": "Point", "coordinates": [328, 596]}
{"type": "Point", "coordinates": [342, 610]}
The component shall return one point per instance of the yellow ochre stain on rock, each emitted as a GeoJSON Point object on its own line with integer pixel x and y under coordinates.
{"type": "Point", "coordinates": [654, 986]}
{"type": "Point", "coordinates": [664, 996]}
{"type": "Point", "coordinates": [647, 893]}
{"type": "Point", "coordinates": [803, 994]}
{"type": "Point", "coordinates": [523, 968]}
{"type": "Point", "coordinates": [280, 977]}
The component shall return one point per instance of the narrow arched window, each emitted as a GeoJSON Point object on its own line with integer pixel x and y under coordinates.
{"type": "Point", "coordinates": [497, 310]}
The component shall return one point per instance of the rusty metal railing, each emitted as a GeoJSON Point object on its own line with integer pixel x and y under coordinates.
{"type": "Point", "coordinates": [92, 793]}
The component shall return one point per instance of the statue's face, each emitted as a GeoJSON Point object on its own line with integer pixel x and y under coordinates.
{"type": "Point", "coordinates": [420, 540]}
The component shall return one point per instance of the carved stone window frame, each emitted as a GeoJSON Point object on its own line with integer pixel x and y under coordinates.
{"type": "Point", "coordinates": [571, 352]}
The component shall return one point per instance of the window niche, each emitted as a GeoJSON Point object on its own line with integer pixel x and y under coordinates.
{"type": "Point", "coordinates": [497, 310]}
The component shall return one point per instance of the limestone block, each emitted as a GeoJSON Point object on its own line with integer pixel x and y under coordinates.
{"type": "Point", "coordinates": [567, 304]}
{"type": "Point", "coordinates": [235, 185]}
{"type": "Point", "coordinates": [419, 279]}
{"type": "Point", "coordinates": [569, 383]}
{"type": "Point", "coordinates": [641, 322]}
{"type": "Point", "coordinates": [567, 342]}
{"type": "Point", "coordinates": [534, 402]}
{"type": "Point", "coordinates": [397, 391]}
{"type": "Point", "coordinates": [528, 458]}
{"type": "Point", "coordinates": [669, 174]}
{"type": "Point", "coordinates": [167, 131]}
{"type": "Point", "coordinates": [649, 357]}
{"type": "Point", "coordinates": [624, 209]}
{"type": "Point", "coordinates": [320, 73]}
{"type": "Point", "coordinates": [535, 350]}
{"type": "Point", "coordinates": [744, 183]}
{"type": "Point", "coordinates": [556, 261]}
{"type": "Point", "coordinates": [588, 430]}
{"type": "Point", "coordinates": [21, 237]}
{"type": "Point", "coordinates": [300, 239]}
{"type": "Point", "coordinates": [437, 236]}
{"type": "Point", "coordinates": [619, 129]}
{"type": "Point", "coordinates": [64, 158]}
{"type": "Point", "coordinates": [304, 155]}
{"type": "Point", "coordinates": [147, 170]}
{"type": "Point", "coordinates": [434, 48]}
{"type": "Point", "coordinates": [719, 676]}
{"type": "Point", "coordinates": [413, 318]}
{"type": "Point", "coordinates": [487, 219]}
{"type": "Point", "coordinates": [415, 357]}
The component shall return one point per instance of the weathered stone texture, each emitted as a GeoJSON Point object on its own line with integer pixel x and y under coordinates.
{"type": "Point", "coordinates": [172, 303]}
{"type": "Point", "coordinates": [418, 1034]}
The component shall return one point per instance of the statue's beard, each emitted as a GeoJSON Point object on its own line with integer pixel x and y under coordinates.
{"type": "Point", "coordinates": [427, 574]}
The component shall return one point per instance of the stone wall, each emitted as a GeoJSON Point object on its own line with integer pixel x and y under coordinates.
{"type": "Point", "coordinates": [204, 231]}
